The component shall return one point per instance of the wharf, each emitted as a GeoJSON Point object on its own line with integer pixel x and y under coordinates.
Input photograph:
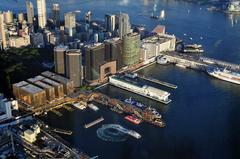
{"type": "Point", "coordinates": [61, 131]}
{"type": "Point", "coordinates": [146, 115]}
{"type": "Point", "coordinates": [144, 95]}
{"type": "Point", "coordinates": [166, 84]}
{"type": "Point", "coordinates": [93, 122]}
{"type": "Point", "coordinates": [198, 62]}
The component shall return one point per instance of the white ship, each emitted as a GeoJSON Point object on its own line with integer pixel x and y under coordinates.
{"type": "Point", "coordinates": [234, 7]}
{"type": "Point", "coordinates": [225, 75]}
{"type": "Point", "coordinates": [79, 105]}
{"type": "Point", "coordinates": [93, 107]}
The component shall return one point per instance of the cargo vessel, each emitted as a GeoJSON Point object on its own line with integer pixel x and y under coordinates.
{"type": "Point", "coordinates": [224, 74]}
{"type": "Point", "coordinates": [133, 119]}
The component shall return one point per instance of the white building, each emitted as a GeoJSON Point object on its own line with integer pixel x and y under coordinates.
{"type": "Point", "coordinates": [42, 15]}
{"type": "Point", "coordinates": [5, 108]}
{"type": "Point", "coordinates": [152, 46]}
{"type": "Point", "coordinates": [19, 41]}
{"type": "Point", "coordinates": [70, 23]}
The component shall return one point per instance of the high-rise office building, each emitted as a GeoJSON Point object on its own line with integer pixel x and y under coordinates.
{"type": "Point", "coordinates": [42, 15]}
{"type": "Point", "coordinates": [74, 66]}
{"type": "Point", "coordinates": [30, 12]}
{"type": "Point", "coordinates": [3, 33]}
{"type": "Point", "coordinates": [114, 51]}
{"type": "Point", "coordinates": [88, 17]}
{"type": "Point", "coordinates": [94, 58]}
{"type": "Point", "coordinates": [110, 22]}
{"type": "Point", "coordinates": [131, 49]}
{"type": "Point", "coordinates": [70, 23]}
{"type": "Point", "coordinates": [124, 26]}
{"type": "Point", "coordinates": [8, 17]}
{"type": "Point", "coordinates": [59, 59]}
{"type": "Point", "coordinates": [56, 14]}
{"type": "Point", "coordinates": [20, 17]}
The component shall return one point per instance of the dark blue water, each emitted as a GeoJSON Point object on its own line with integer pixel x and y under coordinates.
{"type": "Point", "coordinates": [203, 121]}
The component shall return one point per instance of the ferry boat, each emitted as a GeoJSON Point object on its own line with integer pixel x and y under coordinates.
{"type": "Point", "coordinates": [224, 74]}
{"type": "Point", "coordinates": [131, 75]}
{"type": "Point", "coordinates": [134, 103]}
{"type": "Point", "coordinates": [93, 107]}
{"type": "Point", "coordinates": [193, 48]}
{"type": "Point", "coordinates": [79, 106]}
{"type": "Point", "coordinates": [181, 65]}
{"type": "Point", "coordinates": [133, 119]}
{"type": "Point", "coordinates": [162, 60]}
{"type": "Point", "coordinates": [134, 134]}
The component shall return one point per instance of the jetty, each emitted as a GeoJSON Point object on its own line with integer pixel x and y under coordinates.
{"type": "Point", "coordinates": [93, 122]}
{"type": "Point", "coordinates": [166, 84]}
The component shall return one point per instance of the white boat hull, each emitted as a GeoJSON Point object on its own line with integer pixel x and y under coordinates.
{"type": "Point", "coordinates": [224, 78]}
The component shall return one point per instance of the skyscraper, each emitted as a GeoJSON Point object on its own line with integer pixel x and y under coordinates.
{"type": "Point", "coordinates": [30, 12]}
{"type": "Point", "coordinates": [59, 59]}
{"type": "Point", "coordinates": [131, 49]}
{"type": "Point", "coordinates": [74, 66]}
{"type": "Point", "coordinates": [70, 23]}
{"type": "Point", "coordinates": [20, 17]}
{"type": "Point", "coordinates": [42, 15]}
{"type": "Point", "coordinates": [56, 14]}
{"type": "Point", "coordinates": [3, 35]}
{"type": "Point", "coordinates": [110, 22]}
{"type": "Point", "coordinates": [8, 17]}
{"type": "Point", "coordinates": [124, 26]}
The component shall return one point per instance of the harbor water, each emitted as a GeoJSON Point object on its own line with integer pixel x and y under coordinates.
{"type": "Point", "coordinates": [203, 120]}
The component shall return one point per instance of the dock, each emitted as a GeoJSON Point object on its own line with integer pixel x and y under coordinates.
{"type": "Point", "coordinates": [166, 84]}
{"type": "Point", "coordinates": [61, 131]}
{"type": "Point", "coordinates": [93, 122]}
{"type": "Point", "coordinates": [57, 112]}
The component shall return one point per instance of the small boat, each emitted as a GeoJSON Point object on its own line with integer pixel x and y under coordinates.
{"type": "Point", "coordinates": [181, 65]}
{"type": "Point", "coordinates": [93, 107]}
{"type": "Point", "coordinates": [162, 60]}
{"type": "Point", "coordinates": [133, 119]}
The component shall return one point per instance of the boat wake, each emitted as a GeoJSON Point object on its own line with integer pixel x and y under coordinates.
{"type": "Point", "coordinates": [111, 133]}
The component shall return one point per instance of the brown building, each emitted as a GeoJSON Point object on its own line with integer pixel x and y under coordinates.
{"type": "Point", "coordinates": [59, 59]}
{"type": "Point", "coordinates": [58, 88]}
{"type": "Point", "coordinates": [29, 94]}
{"type": "Point", "coordinates": [114, 51]}
{"type": "Point", "coordinates": [50, 92]}
{"type": "Point", "coordinates": [68, 85]}
{"type": "Point", "coordinates": [98, 63]}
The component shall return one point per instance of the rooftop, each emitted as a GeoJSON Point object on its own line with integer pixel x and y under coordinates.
{"type": "Point", "coordinates": [35, 79]}
{"type": "Point", "coordinates": [158, 38]}
{"type": "Point", "coordinates": [31, 89]}
{"type": "Point", "coordinates": [20, 84]}
{"type": "Point", "coordinates": [56, 77]}
{"type": "Point", "coordinates": [51, 82]}
{"type": "Point", "coordinates": [43, 85]}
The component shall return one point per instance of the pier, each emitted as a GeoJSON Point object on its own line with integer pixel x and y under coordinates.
{"type": "Point", "coordinates": [94, 122]}
{"type": "Point", "coordinates": [198, 62]}
{"type": "Point", "coordinates": [166, 84]}
{"type": "Point", "coordinates": [61, 131]}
